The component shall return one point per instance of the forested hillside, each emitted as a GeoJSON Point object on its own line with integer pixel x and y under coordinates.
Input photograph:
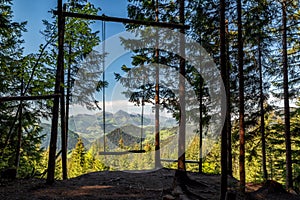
{"type": "Point", "coordinates": [215, 82]}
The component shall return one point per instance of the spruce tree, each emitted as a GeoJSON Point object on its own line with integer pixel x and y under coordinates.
{"type": "Point", "coordinates": [77, 164]}
{"type": "Point", "coordinates": [224, 78]}
{"type": "Point", "coordinates": [79, 39]}
{"type": "Point", "coordinates": [21, 76]}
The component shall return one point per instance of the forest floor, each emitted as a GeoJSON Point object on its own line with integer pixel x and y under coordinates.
{"type": "Point", "coordinates": [128, 186]}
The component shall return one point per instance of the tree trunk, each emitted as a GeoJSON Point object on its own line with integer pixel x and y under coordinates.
{"type": "Point", "coordinates": [223, 109]}
{"type": "Point", "coordinates": [182, 120]}
{"type": "Point", "coordinates": [241, 96]}
{"type": "Point", "coordinates": [55, 110]}
{"type": "Point", "coordinates": [262, 113]}
{"type": "Point", "coordinates": [142, 123]}
{"type": "Point", "coordinates": [228, 105]}
{"type": "Point", "coordinates": [289, 181]}
{"type": "Point", "coordinates": [200, 99]}
{"type": "Point", "coordinates": [68, 98]}
{"type": "Point", "coordinates": [200, 127]}
{"type": "Point", "coordinates": [63, 131]}
{"type": "Point", "coordinates": [63, 123]}
{"type": "Point", "coordinates": [18, 150]}
{"type": "Point", "coordinates": [157, 136]}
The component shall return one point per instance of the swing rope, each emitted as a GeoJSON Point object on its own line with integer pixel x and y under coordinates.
{"type": "Point", "coordinates": [103, 82]}
{"type": "Point", "coordinates": [103, 99]}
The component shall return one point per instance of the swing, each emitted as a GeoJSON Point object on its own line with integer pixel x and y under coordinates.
{"type": "Point", "coordinates": [104, 152]}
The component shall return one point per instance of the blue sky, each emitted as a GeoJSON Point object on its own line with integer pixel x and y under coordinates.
{"type": "Point", "coordinates": [34, 11]}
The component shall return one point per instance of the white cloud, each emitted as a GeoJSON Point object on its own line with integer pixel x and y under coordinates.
{"type": "Point", "coordinates": [114, 106]}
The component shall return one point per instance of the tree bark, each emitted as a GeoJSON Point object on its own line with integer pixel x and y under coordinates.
{"type": "Point", "coordinates": [262, 113]}
{"type": "Point", "coordinates": [223, 102]}
{"type": "Point", "coordinates": [228, 105]}
{"type": "Point", "coordinates": [157, 135]}
{"type": "Point", "coordinates": [63, 122]}
{"type": "Point", "coordinates": [241, 96]}
{"type": "Point", "coordinates": [68, 97]}
{"type": "Point", "coordinates": [201, 127]}
{"type": "Point", "coordinates": [55, 110]}
{"type": "Point", "coordinates": [182, 72]}
{"type": "Point", "coordinates": [18, 150]}
{"type": "Point", "coordinates": [289, 181]}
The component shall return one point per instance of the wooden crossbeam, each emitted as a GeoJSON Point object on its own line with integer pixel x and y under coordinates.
{"type": "Point", "coordinates": [28, 98]}
{"type": "Point", "coordinates": [123, 20]}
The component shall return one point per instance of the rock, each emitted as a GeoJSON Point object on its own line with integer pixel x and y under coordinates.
{"type": "Point", "coordinates": [10, 173]}
{"type": "Point", "coordinates": [168, 197]}
{"type": "Point", "coordinates": [230, 195]}
{"type": "Point", "coordinates": [292, 191]}
{"type": "Point", "coordinates": [177, 191]}
{"type": "Point", "coordinates": [273, 187]}
{"type": "Point", "coordinates": [269, 188]}
{"type": "Point", "coordinates": [183, 197]}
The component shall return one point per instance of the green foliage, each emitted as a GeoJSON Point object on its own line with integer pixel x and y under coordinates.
{"type": "Point", "coordinates": [77, 160]}
{"type": "Point", "coordinates": [82, 161]}
{"type": "Point", "coordinates": [20, 75]}
{"type": "Point", "coordinates": [80, 58]}
{"type": "Point", "coordinates": [275, 148]}
{"type": "Point", "coordinates": [34, 75]}
{"type": "Point", "coordinates": [212, 161]}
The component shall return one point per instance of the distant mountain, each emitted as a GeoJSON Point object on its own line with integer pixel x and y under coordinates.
{"type": "Point", "coordinates": [72, 138]}
{"type": "Point", "coordinates": [129, 134]}
{"type": "Point", "coordinates": [123, 118]}
{"type": "Point", "coordinates": [129, 137]}
{"type": "Point", "coordinates": [90, 126]}
{"type": "Point", "coordinates": [119, 125]}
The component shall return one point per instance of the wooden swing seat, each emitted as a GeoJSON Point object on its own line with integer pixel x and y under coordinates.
{"type": "Point", "coordinates": [120, 152]}
{"type": "Point", "coordinates": [173, 160]}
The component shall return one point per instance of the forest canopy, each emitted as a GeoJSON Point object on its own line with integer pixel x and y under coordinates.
{"type": "Point", "coordinates": [254, 46]}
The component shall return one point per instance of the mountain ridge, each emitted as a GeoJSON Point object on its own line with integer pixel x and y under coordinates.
{"type": "Point", "coordinates": [90, 128]}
